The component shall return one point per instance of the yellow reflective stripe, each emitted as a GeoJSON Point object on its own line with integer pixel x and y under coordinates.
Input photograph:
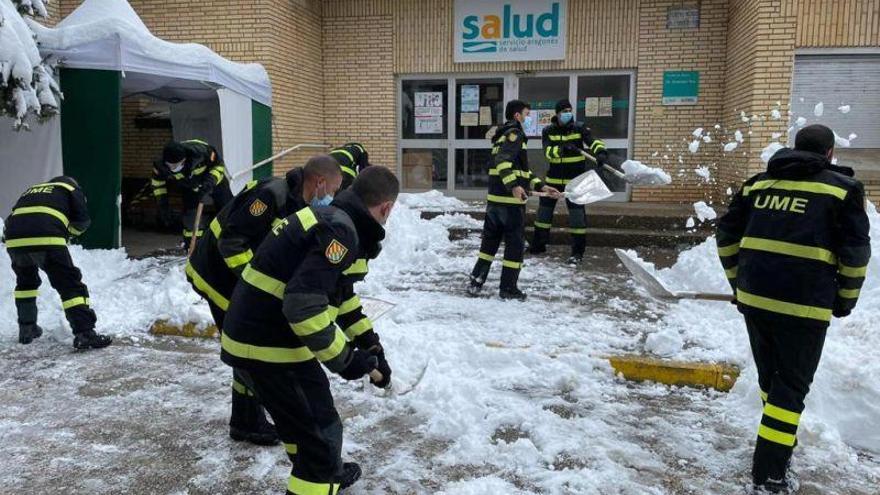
{"type": "Point", "coordinates": [178, 176]}
{"type": "Point", "coordinates": [240, 388]}
{"type": "Point", "coordinates": [199, 170]}
{"type": "Point", "coordinates": [542, 225]}
{"type": "Point", "coordinates": [577, 231]}
{"type": "Point", "coordinates": [307, 218]}
{"type": "Point", "coordinates": [852, 271]}
{"type": "Point", "coordinates": [349, 305]}
{"type": "Point", "coordinates": [849, 293]}
{"type": "Point", "coordinates": [189, 233]}
{"type": "Point", "coordinates": [25, 210]}
{"type": "Point", "coordinates": [36, 241]}
{"type": "Point", "coordinates": [276, 222]}
{"type": "Point", "coordinates": [548, 152]}
{"type": "Point", "coordinates": [357, 268]}
{"type": "Point", "coordinates": [569, 159]}
{"type": "Point", "coordinates": [344, 152]}
{"type": "Point", "coordinates": [350, 171]}
{"type": "Point", "coordinates": [299, 486]}
{"type": "Point", "coordinates": [25, 294]}
{"type": "Point", "coordinates": [511, 264]}
{"type": "Point", "coordinates": [503, 165]}
{"type": "Point", "coordinates": [484, 256]}
{"type": "Point", "coordinates": [277, 355]}
{"type": "Point", "coordinates": [59, 184]}
{"type": "Point", "coordinates": [250, 185]}
{"type": "Point", "coordinates": [215, 227]}
{"type": "Point", "coordinates": [796, 185]}
{"type": "Point", "coordinates": [518, 173]}
{"type": "Point", "coordinates": [763, 395]}
{"type": "Point", "coordinates": [291, 448]}
{"type": "Point", "coordinates": [782, 307]}
{"type": "Point", "coordinates": [557, 182]}
{"type": "Point", "coordinates": [334, 349]}
{"type": "Point", "coordinates": [76, 301]}
{"type": "Point", "coordinates": [217, 173]}
{"type": "Point", "coordinates": [567, 137]}
{"type": "Point", "coordinates": [728, 250]}
{"type": "Point", "coordinates": [731, 272]}
{"type": "Point", "coordinates": [596, 146]}
{"type": "Point", "coordinates": [160, 191]}
{"type": "Point", "coordinates": [157, 183]}
{"type": "Point", "coordinates": [75, 231]}
{"type": "Point", "coordinates": [507, 179]}
{"type": "Point", "coordinates": [263, 282]}
{"type": "Point", "coordinates": [781, 414]}
{"type": "Point", "coordinates": [363, 325]}
{"type": "Point", "coordinates": [510, 200]}
{"type": "Point", "coordinates": [239, 259]}
{"type": "Point", "coordinates": [534, 182]}
{"type": "Point", "coordinates": [776, 436]}
{"type": "Point", "coordinates": [312, 325]}
{"type": "Point", "coordinates": [205, 288]}
{"type": "Point", "coordinates": [788, 249]}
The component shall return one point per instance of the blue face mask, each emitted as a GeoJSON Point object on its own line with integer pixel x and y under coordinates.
{"type": "Point", "coordinates": [565, 117]}
{"type": "Point", "coordinates": [324, 200]}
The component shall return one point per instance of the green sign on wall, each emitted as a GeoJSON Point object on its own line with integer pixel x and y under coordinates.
{"type": "Point", "coordinates": [681, 87]}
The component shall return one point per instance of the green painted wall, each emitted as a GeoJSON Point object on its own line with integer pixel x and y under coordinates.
{"type": "Point", "coordinates": [261, 123]}
{"type": "Point", "coordinates": [92, 149]}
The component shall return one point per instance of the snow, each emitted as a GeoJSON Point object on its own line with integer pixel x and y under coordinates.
{"type": "Point", "coordinates": [704, 172]}
{"type": "Point", "coordinates": [690, 223]}
{"type": "Point", "coordinates": [707, 138]}
{"type": "Point", "coordinates": [704, 211]}
{"type": "Point", "coordinates": [841, 141]}
{"type": "Point", "coordinates": [728, 147]}
{"type": "Point", "coordinates": [432, 200]}
{"type": "Point", "coordinates": [694, 146]}
{"type": "Point", "coordinates": [665, 342]}
{"type": "Point", "coordinates": [697, 132]}
{"type": "Point", "coordinates": [844, 108]}
{"type": "Point", "coordinates": [776, 135]}
{"type": "Point", "coordinates": [819, 109]}
{"type": "Point", "coordinates": [852, 136]}
{"type": "Point", "coordinates": [738, 136]}
{"type": "Point", "coordinates": [637, 172]}
{"type": "Point", "coordinates": [775, 114]}
{"type": "Point", "coordinates": [770, 150]}
{"type": "Point", "coordinates": [743, 116]}
{"type": "Point", "coordinates": [801, 121]}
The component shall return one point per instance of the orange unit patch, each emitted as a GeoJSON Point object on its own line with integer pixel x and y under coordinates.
{"type": "Point", "coordinates": [335, 252]}
{"type": "Point", "coordinates": [257, 208]}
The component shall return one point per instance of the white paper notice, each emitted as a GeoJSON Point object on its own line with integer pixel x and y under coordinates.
{"type": "Point", "coordinates": [591, 107]}
{"type": "Point", "coordinates": [470, 119]}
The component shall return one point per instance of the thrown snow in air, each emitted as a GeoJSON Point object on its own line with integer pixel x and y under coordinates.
{"type": "Point", "coordinates": [844, 108]}
{"type": "Point", "coordinates": [704, 172]}
{"type": "Point", "coordinates": [640, 173]}
{"type": "Point", "coordinates": [694, 146]}
{"type": "Point", "coordinates": [730, 146]}
{"type": "Point", "coordinates": [704, 211]}
{"type": "Point", "coordinates": [819, 109]}
{"type": "Point", "coordinates": [738, 136]}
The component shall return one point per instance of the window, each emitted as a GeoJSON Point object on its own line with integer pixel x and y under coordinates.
{"type": "Point", "coordinates": [424, 107]}
{"type": "Point", "coordinates": [603, 104]}
{"type": "Point", "coordinates": [424, 169]}
{"type": "Point", "coordinates": [479, 106]}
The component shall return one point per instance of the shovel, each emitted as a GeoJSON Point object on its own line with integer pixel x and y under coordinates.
{"type": "Point", "coordinates": [644, 179]}
{"type": "Point", "coordinates": [584, 189]}
{"type": "Point", "coordinates": [656, 288]}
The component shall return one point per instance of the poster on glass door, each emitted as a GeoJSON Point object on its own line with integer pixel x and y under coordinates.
{"type": "Point", "coordinates": [429, 112]}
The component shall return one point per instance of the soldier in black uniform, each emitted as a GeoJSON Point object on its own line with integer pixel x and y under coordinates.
{"type": "Point", "coordinates": [36, 236]}
{"type": "Point", "coordinates": [353, 158]}
{"type": "Point", "coordinates": [509, 179]}
{"type": "Point", "coordinates": [228, 246]}
{"type": "Point", "coordinates": [196, 167]}
{"type": "Point", "coordinates": [282, 325]}
{"type": "Point", "coordinates": [564, 143]}
{"type": "Point", "coordinates": [795, 246]}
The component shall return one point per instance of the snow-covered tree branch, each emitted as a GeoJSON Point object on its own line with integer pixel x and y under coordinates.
{"type": "Point", "coordinates": [27, 82]}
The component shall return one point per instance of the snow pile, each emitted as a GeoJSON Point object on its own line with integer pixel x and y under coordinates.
{"type": "Point", "coordinates": [432, 200]}
{"type": "Point", "coordinates": [639, 173]}
{"type": "Point", "coordinates": [31, 85]}
{"type": "Point", "coordinates": [665, 342]}
{"type": "Point", "coordinates": [704, 211]}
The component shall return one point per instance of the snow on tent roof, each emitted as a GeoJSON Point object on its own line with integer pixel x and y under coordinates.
{"type": "Point", "coordinates": [109, 35]}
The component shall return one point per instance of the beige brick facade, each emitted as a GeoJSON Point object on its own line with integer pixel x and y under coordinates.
{"type": "Point", "coordinates": [335, 64]}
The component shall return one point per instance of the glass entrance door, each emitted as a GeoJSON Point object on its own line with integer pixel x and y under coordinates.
{"type": "Point", "coordinates": [479, 107]}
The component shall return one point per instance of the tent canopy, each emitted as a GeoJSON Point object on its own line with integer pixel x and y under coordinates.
{"type": "Point", "coordinates": [109, 35]}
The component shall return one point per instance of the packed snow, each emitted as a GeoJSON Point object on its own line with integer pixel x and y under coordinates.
{"type": "Point", "coordinates": [819, 109]}
{"type": "Point", "coordinates": [704, 212]}
{"type": "Point", "coordinates": [640, 173]}
{"type": "Point", "coordinates": [738, 136]}
{"type": "Point", "coordinates": [697, 132]}
{"type": "Point", "coordinates": [730, 146]}
{"type": "Point", "coordinates": [704, 172]}
{"type": "Point", "coordinates": [694, 146]}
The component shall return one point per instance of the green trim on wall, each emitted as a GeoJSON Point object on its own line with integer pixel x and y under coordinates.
{"type": "Point", "coordinates": [261, 126]}
{"type": "Point", "coordinates": [91, 147]}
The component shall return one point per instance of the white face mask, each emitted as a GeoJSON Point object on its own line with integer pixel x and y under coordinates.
{"type": "Point", "coordinates": [176, 167]}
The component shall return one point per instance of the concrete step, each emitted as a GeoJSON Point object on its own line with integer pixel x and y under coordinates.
{"type": "Point", "coordinates": [614, 237]}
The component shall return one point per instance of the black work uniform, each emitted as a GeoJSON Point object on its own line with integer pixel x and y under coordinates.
{"type": "Point", "coordinates": [224, 251]}
{"type": "Point", "coordinates": [202, 169]}
{"type": "Point", "coordinates": [795, 246]}
{"type": "Point", "coordinates": [352, 159]}
{"type": "Point", "coordinates": [280, 329]}
{"type": "Point", "coordinates": [506, 214]}
{"type": "Point", "coordinates": [562, 145]}
{"type": "Point", "coordinates": [36, 234]}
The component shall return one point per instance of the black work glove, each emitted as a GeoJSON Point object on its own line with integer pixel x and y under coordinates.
{"type": "Point", "coordinates": [571, 148]}
{"type": "Point", "coordinates": [602, 159]}
{"type": "Point", "coordinates": [362, 362]}
{"type": "Point", "coordinates": [205, 189]}
{"type": "Point", "coordinates": [164, 217]}
{"type": "Point", "coordinates": [839, 310]}
{"type": "Point", "coordinates": [367, 341]}
{"type": "Point", "coordinates": [383, 367]}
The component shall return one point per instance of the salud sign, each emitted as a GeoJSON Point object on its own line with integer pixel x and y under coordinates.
{"type": "Point", "coordinates": [511, 30]}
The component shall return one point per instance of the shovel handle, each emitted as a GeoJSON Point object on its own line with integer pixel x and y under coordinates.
{"type": "Point", "coordinates": [705, 296]}
{"type": "Point", "coordinates": [192, 241]}
{"type": "Point", "coordinates": [617, 173]}
{"type": "Point", "coordinates": [376, 376]}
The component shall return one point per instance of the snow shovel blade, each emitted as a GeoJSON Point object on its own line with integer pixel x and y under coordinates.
{"type": "Point", "coordinates": [376, 308]}
{"type": "Point", "coordinates": [587, 188]}
{"type": "Point", "coordinates": [654, 287]}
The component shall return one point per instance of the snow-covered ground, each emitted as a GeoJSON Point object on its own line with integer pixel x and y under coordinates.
{"type": "Point", "coordinates": [516, 397]}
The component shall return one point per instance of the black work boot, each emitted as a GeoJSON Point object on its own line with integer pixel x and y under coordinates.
{"type": "Point", "coordinates": [351, 472]}
{"type": "Point", "coordinates": [575, 260]}
{"type": "Point", "coordinates": [28, 332]}
{"type": "Point", "coordinates": [90, 340]}
{"type": "Point", "coordinates": [248, 422]}
{"type": "Point", "coordinates": [476, 285]}
{"type": "Point", "coordinates": [512, 293]}
{"type": "Point", "coordinates": [539, 241]}
{"type": "Point", "coordinates": [773, 486]}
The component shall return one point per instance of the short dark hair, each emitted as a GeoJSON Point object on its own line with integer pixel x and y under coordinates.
{"type": "Point", "coordinates": [173, 152]}
{"type": "Point", "coordinates": [376, 185]}
{"type": "Point", "coordinates": [322, 166]}
{"type": "Point", "coordinates": [514, 107]}
{"type": "Point", "coordinates": [816, 138]}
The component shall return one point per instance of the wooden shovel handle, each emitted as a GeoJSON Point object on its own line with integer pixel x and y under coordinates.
{"type": "Point", "coordinates": [192, 241]}
{"type": "Point", "coordinates": [618, 173]}
{"type": "Point", "coordinates": [376, 376]}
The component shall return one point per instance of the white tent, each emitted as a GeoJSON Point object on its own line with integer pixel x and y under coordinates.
{"type": "Point", "coordinates": [106, 53]}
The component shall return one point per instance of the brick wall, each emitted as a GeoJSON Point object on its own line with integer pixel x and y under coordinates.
{"type": "Point", "coordinates": [359, 85]}
{"type": "Point", "coordinates": [139, 146]}
{"type": "Point", "coordinates": [667, 130]}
